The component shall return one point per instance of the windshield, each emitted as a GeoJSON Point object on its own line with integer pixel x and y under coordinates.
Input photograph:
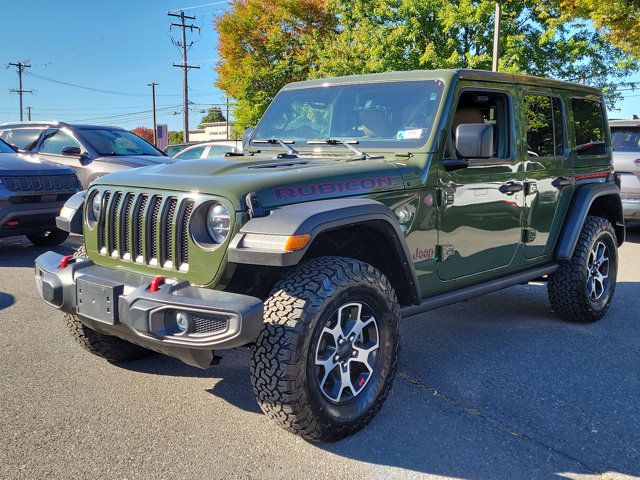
{"type": "Point", "coordinates": [118, 142]}
{"type": "Point", "coordinates": [382, 114]}
{"type": "Point", "coordinates": [4, 148]}
{"type": "Point", "coordinates": [625, 139]}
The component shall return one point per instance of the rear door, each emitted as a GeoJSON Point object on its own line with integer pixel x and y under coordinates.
{"type": "Point", "coordinates": [50, 148]}
{"type": "Point", "coordinates": [547, 166]}
{"type": "Point", "coordinates": [480, 212]}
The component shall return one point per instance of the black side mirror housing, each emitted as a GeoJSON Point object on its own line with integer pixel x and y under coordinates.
{"type": "Point", "coordinates": [71, 151]}
{"type": "Point", "coordinates": [246, 136]}
{"type": "Point", "coordinates": [474, 140]}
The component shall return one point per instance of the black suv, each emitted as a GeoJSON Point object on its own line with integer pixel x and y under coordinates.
{"type": "Point", "coordinates": [90, 150]}
{"type": "Point", "coordinates": [32, 192]}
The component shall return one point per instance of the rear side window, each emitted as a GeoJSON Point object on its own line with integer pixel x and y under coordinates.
{"type": "Point", "coordinates": [590, 127]}
{"type": "Point", "coordinates": [545, 131]}
{"type": "Point", "coordinates": [194, 153]}
{"type": "Point", "coordinates": [21, 138]}
{"type": "Point", "coordinates": [625, 139]}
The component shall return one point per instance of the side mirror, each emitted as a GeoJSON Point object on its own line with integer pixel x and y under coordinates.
{"type": "Point", "coordinates": [474, 140]}
{"type": "Point", "coordinates": [246, 136]}
{"type": "Point", "coordinates": [71, 151]}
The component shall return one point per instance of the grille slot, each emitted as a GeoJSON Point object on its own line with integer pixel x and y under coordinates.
{"type": "Point", "coordinates": [138, 232]}
{"type": "Point", "coordinates": [114, 214]}
{"type": "Point", "coordinates": [168, 219]}
{"type": "Point", "coordinates": [102, 224]}
{"type": "Point", "coordinates": [183, 235]}
{"type": "Point", "coordinates": [152, 228]}
{"type": "Point", "coordinates": [125, 226]}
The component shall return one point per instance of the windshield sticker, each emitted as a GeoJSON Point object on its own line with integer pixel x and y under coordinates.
{"type": "Point", "coordinates": [415, 134]}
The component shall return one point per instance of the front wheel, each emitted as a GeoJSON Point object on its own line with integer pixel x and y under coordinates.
{"type": "Point", "coordinates": [581, 290]}
{"type": "Point", "coordinates": [325, 360]}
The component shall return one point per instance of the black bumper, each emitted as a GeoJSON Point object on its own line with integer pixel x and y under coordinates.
{"type": "Point", "coordinates": [121, 304]}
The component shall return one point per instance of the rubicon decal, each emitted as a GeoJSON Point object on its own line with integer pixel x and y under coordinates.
{"type": "Point", "coordinates": [330, 188]}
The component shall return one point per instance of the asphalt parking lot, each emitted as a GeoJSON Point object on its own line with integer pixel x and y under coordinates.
{"type": "Point", "coordinates": [495, 388]}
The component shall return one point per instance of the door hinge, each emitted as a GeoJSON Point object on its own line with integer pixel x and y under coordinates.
{"type": "Point", "coordinates": [445, 196]}
{"type": "Point", "coordinates": [530, 187]}
{"type": "Point", "coordinates": [529, 235]}
{"type": "Point", "coordinates": [444, 251]}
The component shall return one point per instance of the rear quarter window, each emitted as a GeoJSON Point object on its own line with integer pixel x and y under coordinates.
{"type": "Point", "coordinates": [589, 127]}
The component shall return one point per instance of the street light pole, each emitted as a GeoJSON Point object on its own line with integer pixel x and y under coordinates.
{"type": "Point", "coordinates": [496, 36]}
{"type": "Point", "coordinates": [155, 126]}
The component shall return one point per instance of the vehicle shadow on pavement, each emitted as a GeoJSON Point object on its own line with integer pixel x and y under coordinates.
{"type": "Point", "coordinates": [499, 388]}
{"type": "Point", "coordinates": [6, 300]}
{"type": "Point", "coordinates": [633, 232]}
{"type": "Point", "coordinates": [18, 252]}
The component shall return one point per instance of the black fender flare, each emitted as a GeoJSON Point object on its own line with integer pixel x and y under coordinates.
{"type": "Point", "coordinates": [583, 198]}
{"type": "Point", "coordinates": [314, 218]}
{"type": "Point", "coordinates": [70, 218]}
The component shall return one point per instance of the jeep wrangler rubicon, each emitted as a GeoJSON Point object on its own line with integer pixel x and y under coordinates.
{"type": "Point", "coordinates": [356, 202]}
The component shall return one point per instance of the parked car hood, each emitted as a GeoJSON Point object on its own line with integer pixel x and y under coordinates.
{"type": "Point", "coordinates": [276, 181]}
{"type": "Point", "coordinates": [136, 160]}
{"type": "Point", "coordinates": [17, 164]}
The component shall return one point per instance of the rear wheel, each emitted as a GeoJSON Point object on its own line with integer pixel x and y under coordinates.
{"type": "Point", "coordinates": [108, 347]}
{"type": "Point", "coordinates": [581, 290]}
{"type": "Point", "coordinates": [325, 360]}
{"type": "Point", "coordinates": [49, 238]}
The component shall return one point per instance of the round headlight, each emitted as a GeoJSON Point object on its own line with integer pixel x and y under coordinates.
{"type": "Point", "coordinates": [96, 206]}
{"type": "Point", "coordinates": [218, 222]}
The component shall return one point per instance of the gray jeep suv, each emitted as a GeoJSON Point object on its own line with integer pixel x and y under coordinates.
{"type": "Point", "coordinates": [32, 192]}
{"type": "Point", "coordinates": [90, 150]}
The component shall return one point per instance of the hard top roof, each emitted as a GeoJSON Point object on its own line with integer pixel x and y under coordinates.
{"type": "Point", "coordinates": [625, 123]}
{"type": "Point", "coordinates": [53, 123]}
{"type": "Point", "coordinates": [448, 75]}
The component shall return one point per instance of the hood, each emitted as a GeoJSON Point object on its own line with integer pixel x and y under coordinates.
{"type": "Point", "coordinates": [136, 160]}
{"type": "Point", "coordinates": [18, 164]}
{"type": "Point", "coordinates": [276, 181]}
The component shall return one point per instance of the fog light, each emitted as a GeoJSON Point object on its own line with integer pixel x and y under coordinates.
{"type": "Point", "coordinates": [182, 322]}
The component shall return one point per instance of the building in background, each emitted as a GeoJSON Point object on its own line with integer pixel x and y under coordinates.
{"type": "Point", "coordinates": [211, 131]}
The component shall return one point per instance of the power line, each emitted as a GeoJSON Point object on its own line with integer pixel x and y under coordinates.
{"type": "Point", "coordinates": [20, 67]}
{"type": "Point", "coordinates": [184, 66]}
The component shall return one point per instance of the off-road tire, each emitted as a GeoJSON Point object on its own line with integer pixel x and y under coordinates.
{"type": "Point", "coordinates": [108, 347]}
{"type": "Point", "coordinates": [282, 359]}
{"type": "Point", "coordinates": [50, 238]}
{"type": "Point", "coordinates": [567, 287]}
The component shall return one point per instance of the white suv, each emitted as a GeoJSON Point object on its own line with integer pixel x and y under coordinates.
{"type": "Point", "coordinates": [625, 139]}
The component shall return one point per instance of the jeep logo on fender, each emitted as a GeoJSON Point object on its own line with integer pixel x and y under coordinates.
{"type": "Point", "coordinates": [329, 188]}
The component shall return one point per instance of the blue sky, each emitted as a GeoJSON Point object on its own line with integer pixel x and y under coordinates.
{"type": "Point", "coordinates": [118, 46]}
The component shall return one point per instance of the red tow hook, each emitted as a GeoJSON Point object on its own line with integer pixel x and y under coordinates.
{"type": "Point", "coordinates": [66, 260]}
{"type": "Point", "coordinates": [155, 284]}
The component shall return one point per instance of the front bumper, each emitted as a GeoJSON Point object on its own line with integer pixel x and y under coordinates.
{"type": "Point", "coordinates": [17, 221]}
{"type": "Point", "coordinates": [121, 304]}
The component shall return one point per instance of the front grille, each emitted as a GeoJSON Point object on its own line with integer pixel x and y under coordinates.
{"type": "Point", "coordinates": [25, 199]}
{"type": "Point", "coordinates": [39, 182]}
{"type": "Point", "coordinates": [150, 230]}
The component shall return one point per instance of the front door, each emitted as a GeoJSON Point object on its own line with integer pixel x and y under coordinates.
{"type": "Point", "coordinates": [51, 146]}
{"type": "Point", "coordinates": [481, 206]}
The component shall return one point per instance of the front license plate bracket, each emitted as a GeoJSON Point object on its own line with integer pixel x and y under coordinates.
{"type": "Point", "coordinates": [98, 299]}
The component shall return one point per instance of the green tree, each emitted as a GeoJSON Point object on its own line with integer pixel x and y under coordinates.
{"type": "Point", "coordinates": [362, 36]}
{"type": "Point", "coordinates": [175, 137]}
{"type": "Point", "coordinates": [213, 115]}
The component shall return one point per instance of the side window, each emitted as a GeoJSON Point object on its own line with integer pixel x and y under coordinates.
{"type": "Point", "coordinates": [544, 120]}
{"type": "Point", "coordinates": [219, 151]}
{"type": "Point", "coordinates": [484, 107]}
{"type": "Point", "coordinates": [55, 140]}
{"type": "Point", "coordinates": [21, 138]}
{"type": "Point", "coordinates": [589, 125]}
{"type": "Point", "coordinates": [190, 154]}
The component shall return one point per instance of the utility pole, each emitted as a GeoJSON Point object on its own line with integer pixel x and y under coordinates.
{"type": "Point", "coordinates": [29, 113]}
{"type": "Point", "coordinates": [496, 36]}
{"type": "Point", "coordinates": [184, 66]}
{"type": "Point", "coordinates": [20, 66]}
{"type": "Point", "coordinates": [153, 99]}
{"type": "Point", "coordinates": [227, 117]}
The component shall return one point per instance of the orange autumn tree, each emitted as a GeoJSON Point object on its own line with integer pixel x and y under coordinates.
{"type": "Point", "coordinates": [144, 133]}
{"type": "Point", "coordinates": [263, 45]}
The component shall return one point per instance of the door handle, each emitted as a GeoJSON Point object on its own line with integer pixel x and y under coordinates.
{"type": "Point", "coordinates": [511, 187]}
{"type": "Point", "coordinates": [562, 182]}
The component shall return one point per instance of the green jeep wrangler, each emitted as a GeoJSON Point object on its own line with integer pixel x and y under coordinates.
{"type": "Point", "coordinates": [356, 202]}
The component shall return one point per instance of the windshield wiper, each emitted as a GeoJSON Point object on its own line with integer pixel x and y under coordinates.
{"type": "Point", "coordinates": [336, 141]}
{"type": "Point", "coordinates": [275, 141]}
